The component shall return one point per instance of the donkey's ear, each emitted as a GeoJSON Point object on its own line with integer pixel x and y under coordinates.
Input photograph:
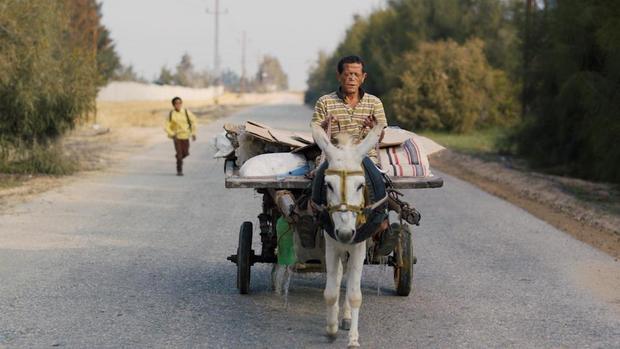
{"type": "Point", "coordinates": [369, 142]}
{"type": "Point", "coordinates": [322, 140]}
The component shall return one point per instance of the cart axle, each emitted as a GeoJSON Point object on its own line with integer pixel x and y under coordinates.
{"type": "Point", "coordinates": [254, 258]}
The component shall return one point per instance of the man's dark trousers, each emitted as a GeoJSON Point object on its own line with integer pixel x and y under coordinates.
{"type": "Point", "coordinates": [181, 146]}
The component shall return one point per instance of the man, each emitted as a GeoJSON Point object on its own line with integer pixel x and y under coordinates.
{"type": "Point", "coordinates": [180, 125]}
{"type": "Point", "coordinates": [350, 109]}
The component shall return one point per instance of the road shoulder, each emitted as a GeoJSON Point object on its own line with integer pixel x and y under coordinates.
{"type": "Point", "coordinates": [585, 210]}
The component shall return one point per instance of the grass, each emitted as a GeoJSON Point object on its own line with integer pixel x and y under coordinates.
{"type": "Point", "coordinates": [8, 181]}
{"type": "Point", "coordinates": [479, 142]}
{"type": "Point", "coordinates": [39, 159]}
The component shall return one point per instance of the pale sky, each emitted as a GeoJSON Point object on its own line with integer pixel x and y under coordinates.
{"type": "Point", "coordinates": [153, 33]}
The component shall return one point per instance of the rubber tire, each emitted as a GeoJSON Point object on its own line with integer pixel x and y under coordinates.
{"type": "Point", "coordinates": [244, 258]}
{"type": "Point", "coordinates": [403, 276]}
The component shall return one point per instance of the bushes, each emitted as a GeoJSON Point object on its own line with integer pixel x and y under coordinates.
{"type": "Point", "coordinates": [573, 95]}
{"type": "Point", "coordinates": [49, 79]}
{"type": "Point", "coordinates": [447, 86]}
{"type": "Point", "coordinates": [49, 159]}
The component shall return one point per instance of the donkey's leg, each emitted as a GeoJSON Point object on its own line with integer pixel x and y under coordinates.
{"type": "Point", "coordinates": [354, 288]}
{"type": "Point", "coordinates": [333, 267]}
{"type": "Point", "coordinates": [346, 315]}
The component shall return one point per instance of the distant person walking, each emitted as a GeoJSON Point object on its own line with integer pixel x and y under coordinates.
{"type": "Point", "coordinates": [180, 125]}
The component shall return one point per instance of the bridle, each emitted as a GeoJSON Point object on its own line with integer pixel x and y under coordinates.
{"type": "Point", "coordinates": [343, 205]}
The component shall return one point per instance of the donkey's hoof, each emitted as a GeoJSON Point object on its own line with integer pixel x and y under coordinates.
{"type": "Point", "coordinates": [332, 331]}
{"type": "Point", "coordinates": [353, 344]}
{"type": "Point", "coordinates": [345, 324]}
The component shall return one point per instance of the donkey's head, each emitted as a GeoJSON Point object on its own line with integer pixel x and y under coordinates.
{"type": "Point", "coordinates": [344, 179]}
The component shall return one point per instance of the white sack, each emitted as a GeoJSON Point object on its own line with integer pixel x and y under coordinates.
{"type": "Point", "coordinates": [222, 144]}
{"type": "Point", "coordinates": [273, 164]}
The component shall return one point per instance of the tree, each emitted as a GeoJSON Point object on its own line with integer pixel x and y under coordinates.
{"type": "Point", "coordinates": [49, 75]}
{"type": "Point", "coordinates": [108, 61]}
{"type": "Point", "coordinates": [185, 72]}
{"type": "Point", "coordinates": [165, 77]}
{"type": "Point", "coordinates": [572, 95]}
{"type": "Point", "coordinates": [270, 76]}
{"type": "Point", "coordinates": [447, 86]}
{"type": "Point", "coordinates": [88, 32]}
{"type": "Point", "coordinates": [317, 85]}
{"type": "Point", "coordinates": [126, 73]}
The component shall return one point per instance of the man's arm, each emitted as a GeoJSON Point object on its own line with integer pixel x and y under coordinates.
{"type": "Point", "coordinates": [379, 114]}
{"type": "Point", "coordinates": [320, 114]}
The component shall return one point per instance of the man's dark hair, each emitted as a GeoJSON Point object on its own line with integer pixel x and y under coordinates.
{"type": "Point", "coordinates": [175, 99]}
{"type": "Point", "coordinates": [348, 60]}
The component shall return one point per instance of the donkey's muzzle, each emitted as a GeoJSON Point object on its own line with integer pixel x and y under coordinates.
{"type": "Point", "coordinates": [345, 236]}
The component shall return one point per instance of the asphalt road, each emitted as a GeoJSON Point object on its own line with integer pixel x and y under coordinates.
{"type": "Point", "coordinates": [136, 258]}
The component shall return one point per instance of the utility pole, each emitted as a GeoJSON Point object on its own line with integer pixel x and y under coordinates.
{"type": "Point", "coordinates": [243, 72]}
{"type": "Point", "coordinates": [216, 47]}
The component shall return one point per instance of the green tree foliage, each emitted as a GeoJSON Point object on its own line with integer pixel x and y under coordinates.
{"type": "Point", "coordinates": [49, 76]}
{"type": "Point", "coordinates": [573, 89]}
{"type": "Point", "coordinates": [447, 86]}
{"type": "Point", "coordinates": [89, 33]}
{"type": "Point", "coordinates": [166, 77]}
{"type": "Point", "coordinates": [185, 75]}
{"type": "Point", "coordinates": [108, 63]}
{"type": "Point", "coordinates": [270, 75]}
{"type": "Point", "coordinates": [53, 57]}
{"type": "Point", "coordinates": [127, 73]}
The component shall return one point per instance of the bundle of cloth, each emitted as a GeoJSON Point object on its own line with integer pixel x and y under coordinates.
{"type": "Point", "coordinates": [260, 150]}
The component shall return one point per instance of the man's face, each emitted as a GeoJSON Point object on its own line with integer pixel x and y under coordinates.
{"type": "Point", "coordinates": [178, 104]}
{"type": "Point", "coordinates": [351, 78]}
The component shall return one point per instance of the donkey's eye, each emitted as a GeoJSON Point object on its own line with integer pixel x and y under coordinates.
{"type": "Point", "coordinates": [359, 187]}
{"type": "Point", "coordinates": [329, 186]}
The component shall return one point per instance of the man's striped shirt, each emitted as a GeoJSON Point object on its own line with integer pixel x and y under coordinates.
{"type": "Point", "coordinates": [346, 119]}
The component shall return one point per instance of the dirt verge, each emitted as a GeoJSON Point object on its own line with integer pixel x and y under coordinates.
{"type": "Point", "coordinates": [588, 211]}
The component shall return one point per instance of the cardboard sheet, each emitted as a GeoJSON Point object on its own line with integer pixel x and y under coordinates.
{"type": "Point", "coordinates": [285, 137]}
{"type": "Point", "coordinates": [301, 141]}
{"type": "Point", "coordinates": [259, 131]}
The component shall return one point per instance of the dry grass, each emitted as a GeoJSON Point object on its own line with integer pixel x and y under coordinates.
{"type": "Point", "coordinates": [141, 113]}
{"type": "Point", "coordinates": [154, 113]}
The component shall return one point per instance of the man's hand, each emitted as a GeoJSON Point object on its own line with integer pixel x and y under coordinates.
{"type": "Point", "coordinates": [194, 138]}
{"type": "Point", "coordinates": [370, 121]}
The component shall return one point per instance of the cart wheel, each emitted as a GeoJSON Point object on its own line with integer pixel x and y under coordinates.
{"type": "Point", "coordinates": [403, 276]}
{"type": "Point", "coordinates": [244, 257]}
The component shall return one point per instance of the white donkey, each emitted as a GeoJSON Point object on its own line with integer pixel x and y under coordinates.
{"type": "Point", "coordinates": [345, 182]}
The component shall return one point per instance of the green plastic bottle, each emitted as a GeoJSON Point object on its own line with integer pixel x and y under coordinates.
{"type": "Point", "coordinates": [286, 248]}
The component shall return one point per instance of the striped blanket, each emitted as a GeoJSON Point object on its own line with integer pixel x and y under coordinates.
{"type": "Point", "coordinates": [405, 160]}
